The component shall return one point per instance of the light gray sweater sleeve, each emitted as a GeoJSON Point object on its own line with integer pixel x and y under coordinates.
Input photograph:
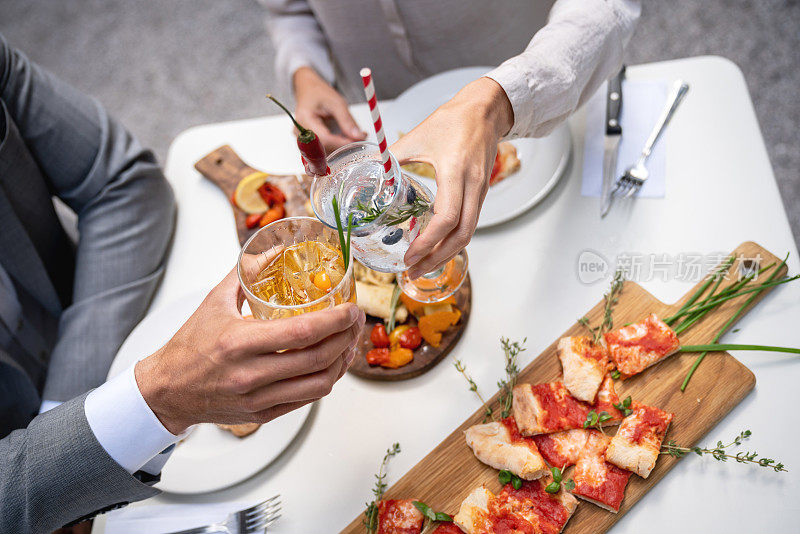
{"type": "Point", "coordinates": [298, 40]}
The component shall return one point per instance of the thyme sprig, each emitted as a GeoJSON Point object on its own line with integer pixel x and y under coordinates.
{"type": "Point", "coordinates": [373, 212]}
{"type": "Point", "coordinates": [511, 350]}
{"type": "Point", "coordinates": [720, 453]}
{"type": "Point", "coordinates": [371, 513]}
{"type": "Point", "coordinates": [611, 297]}
{"type": "Point", "coordinates": [473, 386]}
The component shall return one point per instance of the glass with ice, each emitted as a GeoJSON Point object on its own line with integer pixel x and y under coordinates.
{"type": "Point", "coordinates": [388, 212]}
{"type": "Point", "coordinates": [294, 266]}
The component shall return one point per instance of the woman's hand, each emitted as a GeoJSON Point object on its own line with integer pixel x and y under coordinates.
{"type": "Point", "coordinates": [222, 368]}
{"type": "Point", "coordinates": [318, 102]}
{"type": "Point", "coordinates": [460, 140]}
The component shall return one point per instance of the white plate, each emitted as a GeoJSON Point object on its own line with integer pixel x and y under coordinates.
{"type": "Point", "coordinates": [544, 160]}
{"type": "Point", "coordinates": [209, 458]}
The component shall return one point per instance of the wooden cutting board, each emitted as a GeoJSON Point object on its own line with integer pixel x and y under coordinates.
{"type": "Point", "coordinates": [226, 169]}
{"type": "Point", "coordinates": [450, 472]}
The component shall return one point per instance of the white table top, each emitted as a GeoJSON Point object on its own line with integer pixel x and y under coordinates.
{"type": "Point", "coordinates": [720, 191]}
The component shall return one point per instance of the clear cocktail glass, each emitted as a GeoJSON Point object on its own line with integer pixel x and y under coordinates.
{"type": "Point", "coordinates": [388, 213]}
{"type": "Point", "coordinates": [293, 266]}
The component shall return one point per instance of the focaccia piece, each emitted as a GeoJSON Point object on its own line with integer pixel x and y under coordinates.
{"type": "Point", "coordinates": [377, 301]}
{"type": "Point", "coordinates": [584, 364]}
{"type": "Point", "coordinates": [399, 516]}
{"type": "Point", "coordinates": [637, 443]}
{"type": "Point", "coordinates": [549, 407]}
{"type": "Point", "coordinates": [597, 480]}
{"type": "Point", "coordinates": [636, 347]}
{"type": "Point", "coordinates": [561, 449]}
{"type": "Point", "coordinates": [500, 445]}
{"type": "Point", "coordinates": [528, 509]}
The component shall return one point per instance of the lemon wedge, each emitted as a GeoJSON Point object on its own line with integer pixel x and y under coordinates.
{"type": "Point", "coordinates": [246, 195]}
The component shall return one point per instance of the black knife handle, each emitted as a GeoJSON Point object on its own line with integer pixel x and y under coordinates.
{"type": "Point", "coordinates": [614, 103]}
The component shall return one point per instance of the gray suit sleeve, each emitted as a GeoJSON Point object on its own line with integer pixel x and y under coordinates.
{"type": "Point", "coordinates": [55, 472]}
{"type": "Point", "coordinates": [125, 214]}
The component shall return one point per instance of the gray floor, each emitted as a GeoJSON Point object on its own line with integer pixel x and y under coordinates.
{"type": "Point", "coordinates": [166, 65]}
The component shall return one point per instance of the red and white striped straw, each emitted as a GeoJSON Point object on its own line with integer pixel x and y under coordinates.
{"type": "Point", "coordinates": [372, 100]}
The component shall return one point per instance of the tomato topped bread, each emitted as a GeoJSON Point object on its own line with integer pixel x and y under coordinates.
{"type": "Point", "coordinates": [561, 449]}
{"type": "Point", "coordinates": [399, 516]}
{"type": "Point", "coordinates": [500, 445]}
{"type": "Point", "coordinates": [529, 509]}
{"type": "Point", "coordinates": [597, 480]}
{"type": "Point", "coordinates": [584, 364]}
{"type": "Point", "coordinates": [636, 347]}
{"type": "Point", "coordinates": [549, 407]}
{"type": "Point", "coordinates": [637, 443]}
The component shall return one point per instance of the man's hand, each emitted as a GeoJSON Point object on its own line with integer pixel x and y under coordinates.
{"type": "Point", "coordinates": [460, 140]}
{"type": "Point", "coordinates": [318, 102]}
{"type": "Point", "coordinates": [222, 368]}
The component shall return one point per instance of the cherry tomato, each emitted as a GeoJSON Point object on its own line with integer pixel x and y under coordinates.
{"type": "Point", "coordinates": [394, 335]}
{"type": "Point", "coordinates": [232, 198]}
{"type": "Point", "coordinates": [411, 338]}
{"type": "Point", "coordinates": [252, 220]}
{"type": "Point", "coordinates": [378, 336]}
{"type": "Point", "coordinates": [378, 356]}
{"type": "Point", "coordinates": [272, 215]}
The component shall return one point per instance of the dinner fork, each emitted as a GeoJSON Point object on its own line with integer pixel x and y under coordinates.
{"type": "Point", "coordinates": [636, 175]}
{"type": "Point", "coordinates": [248, 521]}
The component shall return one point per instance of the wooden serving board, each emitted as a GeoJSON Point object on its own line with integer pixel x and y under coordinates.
{"type": "Point", "coordinates": [450, 472]}
{"type": "Point", "coordinates": [226, 169]}
{"type": "Point", "coordinates": [426, 356]}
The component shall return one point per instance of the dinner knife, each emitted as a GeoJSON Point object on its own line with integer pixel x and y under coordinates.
{"type": "Point", "coordinates": [612, 139]}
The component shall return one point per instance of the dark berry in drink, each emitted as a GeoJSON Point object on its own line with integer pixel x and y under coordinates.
{"type": "Point", "coordinates": [393, 237]}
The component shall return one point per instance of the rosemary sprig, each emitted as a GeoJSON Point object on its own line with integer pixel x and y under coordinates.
{"type": "Point", "coordinates": [555, 486]}
{"type": "Point", "coordinates": [371, 513]}
{"type": "Point", "coordinates": [371, 213]}
{"type": "Point", "coordinates": [511, 351]}
{"type": "Point", "coordinates": [344, 244]}
{"type": "Point", "coordinates": [488, 412]}
{"type": "Point", "coordinates": [720, 453]}
{"type": "Point", "coordinates": [611, 297]}
{"type": "Point", "coordinates": [730, 321]}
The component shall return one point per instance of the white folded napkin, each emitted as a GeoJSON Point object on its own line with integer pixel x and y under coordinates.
{"type": "Point", "coordinates": [642, 103]}
{"type": "Point", "coordinates": [164, 518]}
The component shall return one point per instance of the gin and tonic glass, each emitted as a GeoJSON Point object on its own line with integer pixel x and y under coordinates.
{"type": "Point", "coordinates": [388, 213]}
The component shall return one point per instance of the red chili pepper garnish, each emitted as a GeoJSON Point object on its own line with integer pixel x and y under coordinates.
{"type": "Point", "coordinates": [310, 146]}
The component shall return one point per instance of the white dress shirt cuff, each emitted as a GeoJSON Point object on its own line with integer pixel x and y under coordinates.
{"type": "Point", "coordinates": [125, 425]}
